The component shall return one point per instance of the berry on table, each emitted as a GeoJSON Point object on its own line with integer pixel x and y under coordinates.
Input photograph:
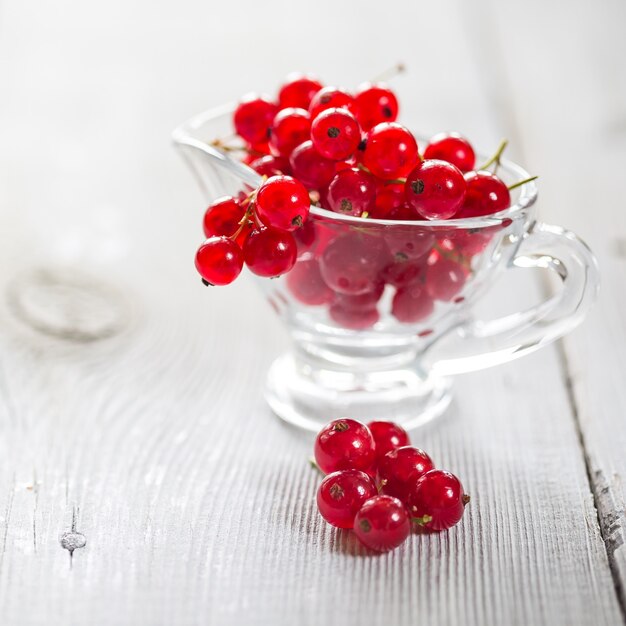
{"type": "Point", "coordinates": [388, 436]}
{"type": "Point", "coordinates": [335, 134]}
{"type": "Point", "coordinates": [390, 151]}
{"type": "Point", "coordinates": [270, 252]}
{"type": "Point", "coordinates": [399, 469]}
{"type": "Point", "coordinates": [298, 91]}
{"type": "Point", "coordinates": [253, 118]}
{"type": "Point", "coordinates": [351, 192]}
{"type": "Point", "coordinates": [453, 148]}
{"type": "Point", "coordinates": [219, 261]}
{"type": "Point", "coordinates": [341, 495]}
{"type": "Point", "coordinates": [437, 500]}
{"type": "Point", "coordinates": [223, 217]}
{"type": "Point", "coordinates": [282, 202]}
{"type": "Point", "coordinates": [382, 523]}
{"type": "Point", "coordinates": [330, 98]}
{"type": "Point", "coordinates": [374, 104]}
{"type": "Point", "coordinates": [435, 189]}
{"type": "Point", "coordinates": [289, 129]}
{"type": "Point", "coordinates": [344, 444]}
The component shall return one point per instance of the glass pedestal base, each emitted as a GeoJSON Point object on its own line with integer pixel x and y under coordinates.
{"type": "Point", "coordinates": [309, 397]}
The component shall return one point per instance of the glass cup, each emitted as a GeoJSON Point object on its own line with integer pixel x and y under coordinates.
{"type": "Point", "coordinates": [381, 312]}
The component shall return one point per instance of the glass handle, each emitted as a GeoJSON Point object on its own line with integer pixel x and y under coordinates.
{"type": "Point", "coordinates": [477, 345]}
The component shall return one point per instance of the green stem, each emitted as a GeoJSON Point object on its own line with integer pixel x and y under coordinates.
{"type": "Point", "coordinates": [315, 466]}
{"type": "Point", "coordinates": [496, 157]}
{"type": "Point", "coordinates": [522, 182]}
{"type": "Point", "coordinates": [390, 72]}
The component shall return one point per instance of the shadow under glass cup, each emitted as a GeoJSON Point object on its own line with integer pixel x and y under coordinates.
{"type": "Point", "coordinates": [381, 312]}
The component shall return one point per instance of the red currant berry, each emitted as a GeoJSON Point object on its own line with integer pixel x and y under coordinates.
{"type": "Point", "coordinates": [219, 261]}
{"type": "Point", "coordinates": [486, 194]}
{"type": "Point", "coordinates": [298, 92]}
{"type": "Point", "coordinates": [388, 436]}
{"type": "Point", "coordinates": [350, 263]}
{"type": "Point", "coordinates": [399, 470]}
{"type": "Point", "coordinates": [310, 167]}
{"type": "Point", "coordinates": [223, 217]}
{"type": "Point", "coordinates": [382, 523]}
{"type": "Point", "coordinates": [409, 243]}
{"type": "Point", "coordinates": [270, 252]}
{"type": "Point", "coordinates": [351, 192]}
{"type": "Point", "coordinates": [344, 444]}
{"type": "Point", "coordinates": [389, 196]}
{"type": "Point", "coordinates": [353, 319]}
{"type": "Point", "coordinates": [412, 304]}
{"type": "Point", "coordinates": [453, 148]}
{"type": "Point", "coordinates": [404, 213]}
{"type": "Point", "coordinates": [289, 129]}
{"type": "Point", "coordinates": [435, 189]}
{"type": "Point", "coordinates": [330, 98]}
{"type": "Point", "coordinates": [253, 118]}
{"type": "Point", "coordinates": [335, 134]}
{"type": "Point", "coordinates": [342, 494]}
{"type": "Point", "coordinates": [307, 285]}
{"type": "Point", "coordinates": [375, 104]}
{"type": "Point", "coordinates": [271, 165]}
{"type": "Point", "coordinates": [437, 501]}
{"type": "Point", "coordinates": [367, 300]}
{"type": "Point", "coordinates": [445, 279]}
{"type": "Point", "coordinates": [390, 151]}
{"type": "Point", "coordinates": [402, 272]}
{"type": "Point", "coordinates": [282, 202]}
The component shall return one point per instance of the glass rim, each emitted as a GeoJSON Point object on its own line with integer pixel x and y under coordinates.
{"type": "Point", "coordinates": [186, 135]}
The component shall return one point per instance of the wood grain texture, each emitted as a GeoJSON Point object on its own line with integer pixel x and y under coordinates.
{"type": "Point", "coordinates": [196, 505]}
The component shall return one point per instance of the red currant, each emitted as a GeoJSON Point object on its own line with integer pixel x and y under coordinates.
{"type": "Point", "coordinates": [219, 261]}
{"type": "Point", "coordinates": [270, 252]}
{"type": "Point", "coordinates": [453, 148]}
{"type": "Point", "coordinates": [310, 167]}
{"type": "Point", "coordinates": [445, 279]}
{"type": "Point", "coordinates": [403, 272]}
{"type": "Point", "coordinates": [330, 98]}
{"type": "Point", "coordinates": [307, 285]}
{"type": "Point", "coordinates": [335, 134]}
{"type": "Point", "coordinates": [375, 104]}
{"type": "Point", "coordinates": [289, 129]}
{"type": "Point", "coordinates": [351, 192]}
{"type": "Point", "coordinates": [350, 263]}
{"type": "Point", "coordinates": [282, 202]}
{"type": "Point", "coordinates": [388, 436]}
{"type": "Point", "coordinates": [389, 196]}
{"type": "Point", "coordinates": [437, 501]}
{"type": "Point", "coordinates": [435, 189]}
{"type": "Point", "coordinates": [344, 444]}
{"type": "Point", "coordinates": [390, 151]}
{"type": "Point", "coordinates": [486, 194]}
{"type": "Point", "coordinates": [412, 304]}
{"type": "Point", "coordinates": [253, 118]}
{"type": "Point", "coordinates": [382, 523]}
{"type": "Point", "coordinates": [342, 494]}
{"type": "Point", "coordinates": [223, 217]}
{"type": "Point", "coordinates": [399, 470]}
{"type": "Point", "coordinates": [410, 243]}
{"type": "Point", "coordinates": [298, 91]}
{"type": "Point", "coordinates": [353, 319]}
{"type": "Point", "coordinates": [367, 300]}
{"type": "Point", "coordinates": [271, 165]}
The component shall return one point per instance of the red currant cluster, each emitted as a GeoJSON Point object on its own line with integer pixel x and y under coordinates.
{"type": "Point", "coordinates": [378, 484]}
{"type": "Point", "coordinates": [345, 152]}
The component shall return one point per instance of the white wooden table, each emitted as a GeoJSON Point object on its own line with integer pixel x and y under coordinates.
{"type": "Point", "coordinates": [142, 479]}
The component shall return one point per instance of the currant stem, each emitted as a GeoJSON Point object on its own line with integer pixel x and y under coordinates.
{"type": "Point", "coordinates": [390, 72]}
{"type": "Point", "coordinates": [422, 521]}
{"type": "Point", "coordinates": [315, 466]}
{"type": "Point", "coordinates": [522, 182]}
{"type": "Point", "coordinates": [219, 143]}
{"type": "Point", "coordinates": [395, 181]}
{"type": "Point", "coordinates": [496, 157]}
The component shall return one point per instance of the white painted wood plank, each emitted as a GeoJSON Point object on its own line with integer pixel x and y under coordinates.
{"type": "Point", "coordinates": [570, 111]}
{"type": "Point", "coordinates": [197, 505]}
